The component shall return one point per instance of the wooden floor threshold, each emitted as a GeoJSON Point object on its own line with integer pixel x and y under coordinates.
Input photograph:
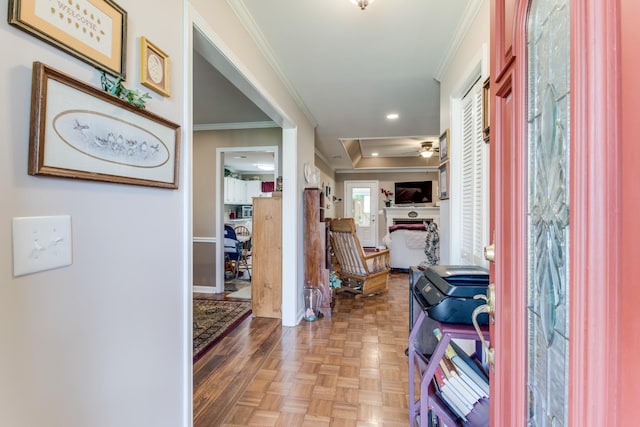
{"type": "Point", "coordinates": [217, 380]}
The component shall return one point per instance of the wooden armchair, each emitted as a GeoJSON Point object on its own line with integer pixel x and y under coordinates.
{"type": "Point", "coordinates": [361, 273]}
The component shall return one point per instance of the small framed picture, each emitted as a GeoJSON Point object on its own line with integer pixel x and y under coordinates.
{"type": "Point", "coordinates": [444, 145]}
{"type": "Point", "coordinates": [154, 67]}
{"type": "Point", "coordinates": [443, 181]}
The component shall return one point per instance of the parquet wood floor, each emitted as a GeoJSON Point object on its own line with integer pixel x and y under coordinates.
{"type": "Point", "coordinates": [347, 370]}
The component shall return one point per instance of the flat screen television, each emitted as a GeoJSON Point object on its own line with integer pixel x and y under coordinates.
{"type": "Point", "coordinates": [410, 193]}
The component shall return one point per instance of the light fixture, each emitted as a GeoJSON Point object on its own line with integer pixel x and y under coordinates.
{"type": "Point", "coordinates": [374, 154]}
{"type": "Point", "coordinates": [265, 167]}
{"type": "Point", "coordinates": [392, 116]}
{"type": "Point", "coordinates": [427, 149]}
{"type": "Point", "coordinates": [426, 153]}
{"type": "Point", "coordinates": [362, 4]}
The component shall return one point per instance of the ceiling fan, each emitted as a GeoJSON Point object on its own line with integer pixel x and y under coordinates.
{"type": "Point", "coordinates": [428, 149]}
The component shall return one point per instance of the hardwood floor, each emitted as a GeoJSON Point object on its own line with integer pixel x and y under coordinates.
{"type": "Point", "coordinates": [349, 369]}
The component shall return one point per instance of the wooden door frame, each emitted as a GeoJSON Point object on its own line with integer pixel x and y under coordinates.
{"type": "Point", "coordinates": [629, 315]}
{"type": "Point", "coordinates": [594, 225]}
{"type": "Point", "coordinates": [595, 213]}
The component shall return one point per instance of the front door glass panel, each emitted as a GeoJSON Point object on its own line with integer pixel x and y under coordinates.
{"type": "Point", "coordinates": [548, 212]}
{"type": "Point", "coordinates": [361, 199]}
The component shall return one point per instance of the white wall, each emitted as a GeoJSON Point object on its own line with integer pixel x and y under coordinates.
{"type": "Point", "coordinates": [101, 342]}
{"type": "Point", "coordinates": [221, 24]}
{"type": "Point", "coordinates": [469, 62]}
{"type": "Point", "coordinates": [105, 341]}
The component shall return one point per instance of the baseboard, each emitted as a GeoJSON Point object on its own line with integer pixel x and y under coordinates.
{"type": "Point", "coordinates": [204, 289]}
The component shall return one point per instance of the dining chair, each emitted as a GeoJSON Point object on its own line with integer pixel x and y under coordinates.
{"type": "Point", "coordinates": [244, 237]}
{"type": "Point", "coordinates": [232, 251]}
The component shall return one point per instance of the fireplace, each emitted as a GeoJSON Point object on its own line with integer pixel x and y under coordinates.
{"type": "Point", "coordinates": [402, 221]}
{"type": "Point", "coordinates": [411, 215]}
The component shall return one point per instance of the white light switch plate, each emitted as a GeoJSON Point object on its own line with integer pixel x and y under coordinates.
{"type": "Point", "coordinates": [41, 243]}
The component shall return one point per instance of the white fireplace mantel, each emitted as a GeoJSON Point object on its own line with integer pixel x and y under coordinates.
{"type": "Point", "coordinates": [412, 213]}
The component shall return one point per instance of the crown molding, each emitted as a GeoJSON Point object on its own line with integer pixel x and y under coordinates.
{"type": "Point", "coordinates": [324, 159]}
{"type": "Point", "coordinates": [232, 126]}
{"type": "Point", "coordinates": [390, 170]}
{"type": "Point", "coordinates": [252, 28]}
{"type": "Point", "coordinates": [469, 15]}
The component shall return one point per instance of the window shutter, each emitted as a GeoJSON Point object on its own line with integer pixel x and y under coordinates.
{"type": "Point", "coordinates": [473, 217]}
{"type": "Point", "coordinates": [479, 187]}
{"type": "Point", "coordinates": [467, 179]}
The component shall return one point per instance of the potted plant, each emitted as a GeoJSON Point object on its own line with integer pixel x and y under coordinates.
{"type": "Point", "coordinates": [387, 195]}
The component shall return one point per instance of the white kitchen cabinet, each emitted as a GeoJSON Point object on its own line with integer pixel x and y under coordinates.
{"type": "Point", "coordinates": [254, 189]}
{"type": "Point", "coordinates": [235, 191]}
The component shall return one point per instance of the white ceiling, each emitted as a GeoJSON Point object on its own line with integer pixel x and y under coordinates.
{"type": "Point", "coordinates": [348, 69]}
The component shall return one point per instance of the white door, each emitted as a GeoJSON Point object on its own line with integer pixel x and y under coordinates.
{"type": "Point", "coordinates": [361, 204]}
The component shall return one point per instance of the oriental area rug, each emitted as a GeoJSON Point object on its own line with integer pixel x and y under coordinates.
{"type": "Point", "coordinates": [213, 320]}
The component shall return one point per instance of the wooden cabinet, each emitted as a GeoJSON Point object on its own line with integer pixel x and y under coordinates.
{"type": "Point", "coordinates": [266, 238]}
{"type": "Point", "coordinates": [316, 242]}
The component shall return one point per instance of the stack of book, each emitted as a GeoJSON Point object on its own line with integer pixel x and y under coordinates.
{"type": "Point", "coordinates": [459, 380]}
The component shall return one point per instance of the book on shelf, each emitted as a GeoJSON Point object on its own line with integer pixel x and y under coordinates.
{"type": "Point", "coordinates": [454, 390]}
{"type": "Point", "coordinates": [466, 368]}
{"type": "Point", "coordinates": [456, 402]}
{"type": "Point", "coordinates": [467, 396]}
{"type": "Point", "coordinates": [474, 364]}
{"type": "Point", "coordinates": [470, 394]}
{"type": "Point", "coordinates": [452, 406]}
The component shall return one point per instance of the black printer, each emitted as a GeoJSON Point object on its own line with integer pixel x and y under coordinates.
{"type": "Point", "coordinates": [446, 292]}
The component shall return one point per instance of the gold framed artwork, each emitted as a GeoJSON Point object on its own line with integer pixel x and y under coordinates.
{"type": "Point", "coordinates": [94, 31]}
{"type": "Point", "coordinates": [79, 131]}
{"type": "Point", "coordinates": [154, 67]}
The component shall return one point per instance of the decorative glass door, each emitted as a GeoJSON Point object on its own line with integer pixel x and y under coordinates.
{"type": "Point", "coordinates": [361, 203]}
{"type": "Point", "coordinates": [548, 43]}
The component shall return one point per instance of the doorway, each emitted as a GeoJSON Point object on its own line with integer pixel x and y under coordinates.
{"type": "Point", "coordinates": [247, 166]}
{"type": "Point", "coordinates": [361, 204]}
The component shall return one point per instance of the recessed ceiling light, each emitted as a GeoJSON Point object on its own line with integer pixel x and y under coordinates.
{"type": "Point", "coordinates": [374, 154]}
{"type": "Point", "coordinates": [393, 116]}
{"type": "Point", "coordinates": [265, 167]}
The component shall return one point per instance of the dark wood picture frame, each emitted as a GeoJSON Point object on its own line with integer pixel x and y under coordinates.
{"type": "Point", "coordinates": [94, 31]}
{"type": "Point", "coordinates": [79, 131]}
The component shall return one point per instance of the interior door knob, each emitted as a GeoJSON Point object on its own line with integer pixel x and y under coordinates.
{"type": "Point", "coordinates": [490, 252]}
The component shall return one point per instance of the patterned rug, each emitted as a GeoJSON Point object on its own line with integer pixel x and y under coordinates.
{"type": "Point", "coordinates": [213, 320]}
